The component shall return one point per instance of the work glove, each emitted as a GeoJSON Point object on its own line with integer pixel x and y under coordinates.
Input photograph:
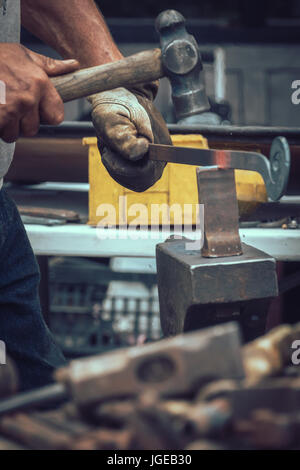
{"type": "Point", "coordinates": [126, 121]}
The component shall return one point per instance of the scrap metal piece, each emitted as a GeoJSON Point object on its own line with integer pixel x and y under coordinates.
{"type": "Point", "coordinates": [281, 395]}
{"type": "Point", "coordinates": [29, 220]}
{"type": "Point", "coordinates": [274, 171]}
{"type": "Point", "coordinates": [206, 444]}
{"type": "Point", "coordinates": [169, 367]}
{"type": "Point", "coordinates": [221, 213]}
{"type": "Point", "coordinates": [46, 213]}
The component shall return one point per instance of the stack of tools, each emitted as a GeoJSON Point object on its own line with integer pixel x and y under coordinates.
{"type": "Point", "coordinates": [202, 390]}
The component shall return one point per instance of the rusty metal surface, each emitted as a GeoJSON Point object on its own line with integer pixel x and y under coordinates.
{"type": "Point", "coordinates": [49, 213]}
{"type": "Point", "coordinates": [222, 282]}
{"type": "Point", "coordinates": [214, 415]}
{"type": "Point", "coordinates": [269, 354]}
{"type": "Point", "coordinates": [60, 147]}
{"type": "Point", "coordinates": [55, 393]}
{"type": "Point", "coordinates": [221, 213]}
{"type": "Point", "coordinates": [168, 368]}
{"type": "Point", "coordinates": [60, 431]}
{"type": "Point", "coordinates": [8, 379]}
{"type": "Point", "coordinates": [51, 159]}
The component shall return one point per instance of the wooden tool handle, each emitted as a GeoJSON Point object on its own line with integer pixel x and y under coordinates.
{"type": "Point", "coordinates": [143, 67]}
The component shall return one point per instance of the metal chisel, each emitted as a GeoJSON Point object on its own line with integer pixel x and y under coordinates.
{"type": "Point", "coordinates": [275, 170]}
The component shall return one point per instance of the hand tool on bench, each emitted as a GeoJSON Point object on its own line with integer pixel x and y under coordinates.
{"type": "Point", "coordinates": [169, 367]}
{"type": "Point", "coordinates": [227, 280]}
{"type": "Point", "coordinates": [179, 59]}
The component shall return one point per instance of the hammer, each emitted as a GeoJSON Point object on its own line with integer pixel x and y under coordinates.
{"type": "Point", "coordinates": [171, 367]}
{"type": "Point", "coordinates": [178, 59]}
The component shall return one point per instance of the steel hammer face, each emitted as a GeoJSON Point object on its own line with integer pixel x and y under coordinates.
{"type": "Point", "coordinates": [182, 65]}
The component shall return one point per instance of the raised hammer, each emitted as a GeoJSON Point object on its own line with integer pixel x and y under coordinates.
{"type": "Point", "coordinates": [178, 59]}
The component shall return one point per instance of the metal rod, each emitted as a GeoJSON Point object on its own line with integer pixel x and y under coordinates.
{"type": "Point", "coordinates": [33, 399]}
{"type": "Point", "coordinates": [224, 133]}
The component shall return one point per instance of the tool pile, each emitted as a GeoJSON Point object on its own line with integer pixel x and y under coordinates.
{"type": "Point", "coordinates": [196, 391]}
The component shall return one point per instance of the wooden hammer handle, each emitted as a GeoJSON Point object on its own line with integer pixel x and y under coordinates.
{"type": "Point", "coordinates": [140, 68]}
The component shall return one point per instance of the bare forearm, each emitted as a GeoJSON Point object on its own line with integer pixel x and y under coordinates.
{"type": "Point", "coordinates": [74, 28]}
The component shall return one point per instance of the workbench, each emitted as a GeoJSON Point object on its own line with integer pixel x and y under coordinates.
{"type": "Point", "coordinates": [82, 240]}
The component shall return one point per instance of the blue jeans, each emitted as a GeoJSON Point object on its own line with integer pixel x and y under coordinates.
{"type": "Point", "coordinates": [22, 327]}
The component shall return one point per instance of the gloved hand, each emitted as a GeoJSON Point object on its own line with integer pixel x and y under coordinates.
{"type": "Point", "coordinates": [126, 121]}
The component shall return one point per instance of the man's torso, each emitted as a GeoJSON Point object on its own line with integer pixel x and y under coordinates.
{"type": "Point", "coordinates": [9, 32]}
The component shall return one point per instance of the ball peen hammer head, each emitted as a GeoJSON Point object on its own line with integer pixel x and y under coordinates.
{"type": "Point", "coordinates": [182, 65]}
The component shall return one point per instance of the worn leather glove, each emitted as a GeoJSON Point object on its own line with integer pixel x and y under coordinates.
{"type": "Point", "coordinates": [126, 121]}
